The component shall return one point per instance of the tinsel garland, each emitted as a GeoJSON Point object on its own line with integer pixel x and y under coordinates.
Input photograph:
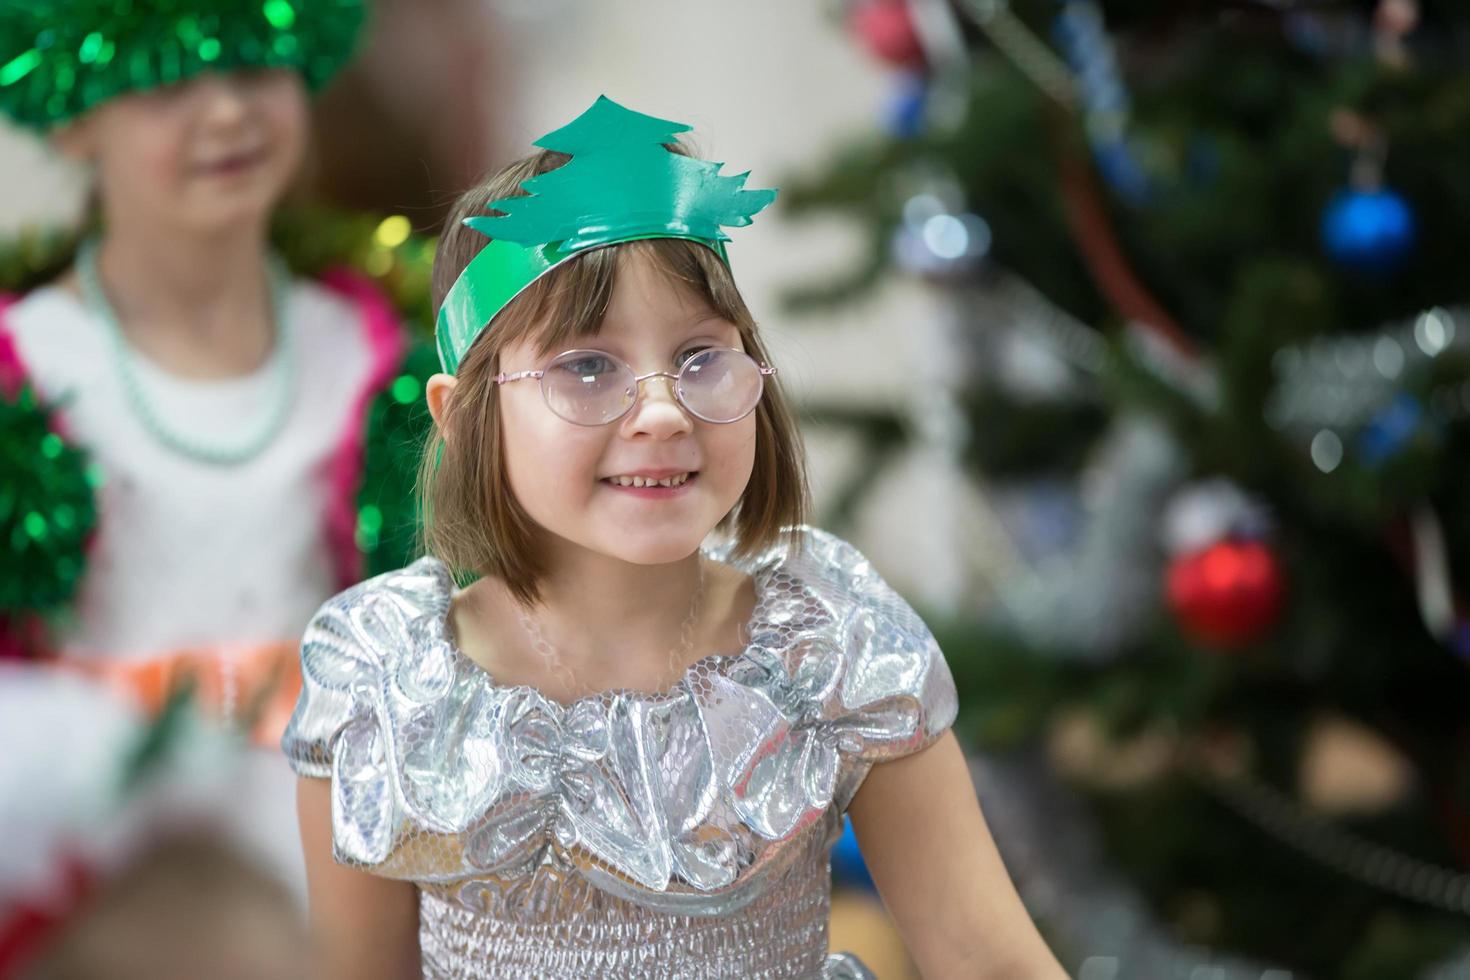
{"type": "Point", "coordinates": [47, 508]}
{"type": "Point", "coordinates": [397, 428]}
{"type": "Point", "coordinates": [59, 58]}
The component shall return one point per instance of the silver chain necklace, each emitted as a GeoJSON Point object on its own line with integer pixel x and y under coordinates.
{"type": "Point", "coordinates": [678, 656]}
{"type": "Point", "coordinates": [271, 421]}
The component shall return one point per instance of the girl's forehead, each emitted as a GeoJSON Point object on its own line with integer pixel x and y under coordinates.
{"type": "Point", "coordinates": [642, 284]}
{"type": "Point", "coordinates": [649, 303]}
{"type": "Point", "coordinates": [618, 330]}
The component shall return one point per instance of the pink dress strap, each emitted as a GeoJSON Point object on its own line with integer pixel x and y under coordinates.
{"type": "Point", "coordinates": [386, 344]}
{"type": "Point", "coordinates": [13, 371]}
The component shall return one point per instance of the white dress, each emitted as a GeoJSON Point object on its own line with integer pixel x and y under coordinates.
{"type": "Point", "coordinates": [189, 554]}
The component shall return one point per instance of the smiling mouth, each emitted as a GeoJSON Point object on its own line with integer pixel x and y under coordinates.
{"type": "Point", "coordinates": [237, 163]}
{"type": "Point", "coordinates": [675, 480]}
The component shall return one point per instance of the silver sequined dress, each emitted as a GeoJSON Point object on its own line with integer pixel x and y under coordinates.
{"type": "Point", "coordinates": [629, 834]}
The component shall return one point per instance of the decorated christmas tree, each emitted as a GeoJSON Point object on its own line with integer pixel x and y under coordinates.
{"type": "Point", "coordinates": [1203, 272]}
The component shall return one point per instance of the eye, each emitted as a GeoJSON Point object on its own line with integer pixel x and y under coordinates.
{"type": "Point", "coordinates": [683, 356]}
{"type": "Point", "coordinates": [587, 365]}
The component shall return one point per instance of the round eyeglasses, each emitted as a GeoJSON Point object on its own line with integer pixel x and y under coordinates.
{"type": "Point", "coordinates": [592, 387]}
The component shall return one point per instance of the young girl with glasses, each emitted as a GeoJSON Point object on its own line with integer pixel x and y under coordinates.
{"type": "Point", "coordinates": [626, 748]}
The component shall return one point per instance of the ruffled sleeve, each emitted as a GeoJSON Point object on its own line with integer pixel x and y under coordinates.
{"type": "Point", "coordinates": [841, 674]}
{"type": "Point", "coordinates": [375, 671]}
{"type": "Point", "coordinates": [340, 672]}
{"type": "Point", "coordinates": [896, 695]}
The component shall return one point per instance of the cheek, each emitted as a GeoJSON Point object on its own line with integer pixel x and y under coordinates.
{"type": "Point", "coordinates": [286, 114]}
{"type": "Point", "coordinates": [550, 464]}
{"type": "Point", "coordinates": [145, 156]}
{"type": "Point", "coordinates": [730, 457]}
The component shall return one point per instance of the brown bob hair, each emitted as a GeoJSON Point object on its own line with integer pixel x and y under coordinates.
{"type": "Point", "coordinates": [470, 517]}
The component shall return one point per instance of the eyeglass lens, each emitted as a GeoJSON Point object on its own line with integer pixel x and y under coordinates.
{"type": "Point", "coordinates": [589, 387]}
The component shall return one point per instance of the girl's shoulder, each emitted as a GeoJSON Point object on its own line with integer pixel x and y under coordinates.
{"type": "Point", "coordinates": [321, 309]}
{"type": "Point", "coordinates": [384, 619]}
{"type": "Point", "coordinates": [353, 649]}
{"type": "Point", "coordinates": [810, 575]}
{"type": "Point", "coordinates": [335, 317]}
{"type": "Point", "coordinates": [52, 336]}
{"type": "Point", "coordinates": [47, 302]}
{"type": "Point", "coordinates": [344, 300]}
{"type": "Point", "coordinates": [802, 551]}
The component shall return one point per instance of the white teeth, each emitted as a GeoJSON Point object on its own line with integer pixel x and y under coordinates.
{"type": "Point", "coordinates": [643, 481]}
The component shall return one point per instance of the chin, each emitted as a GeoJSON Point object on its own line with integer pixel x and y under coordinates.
{"type": "Point", "coordinates": [251, 203]}
{"type": "Point", "coordinates": [224, 220]}
{"type": "Point", "coordinates": [652, 549]}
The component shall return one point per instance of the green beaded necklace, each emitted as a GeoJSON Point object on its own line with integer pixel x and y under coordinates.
{"type": "Point", "coordinates": [284, 365]}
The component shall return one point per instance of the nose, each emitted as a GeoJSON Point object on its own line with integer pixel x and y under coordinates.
{"type": "Point", "coordinates": [223, 98]}
{"type": "Point", "coordinates": [656, 412]}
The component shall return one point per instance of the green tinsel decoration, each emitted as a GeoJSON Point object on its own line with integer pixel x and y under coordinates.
{"type": "Point", "coordinates": [398, 426]}
{"type": "Point", "coordinates": [59, 58]}
{"type": "Point", "coordinates": [46, 508]}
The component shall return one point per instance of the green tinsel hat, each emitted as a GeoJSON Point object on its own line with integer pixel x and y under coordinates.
{"type": "Point", "coordinates": [59, 58]}
{"type": "Point", "coordinates": [621, 184]}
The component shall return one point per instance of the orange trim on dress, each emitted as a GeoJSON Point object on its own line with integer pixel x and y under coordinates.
{"type": "Point", "coordinates": [251, 685]}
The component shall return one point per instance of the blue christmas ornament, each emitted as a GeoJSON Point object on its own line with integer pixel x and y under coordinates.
{"type": "Point", "coordinates": [1390, 430]}
{"type": "Point", "coordinates": [1120, 167]}
{"type": "Point", "coordinates": [1368, 230]}
{"type": "Point", "coordinates": [906, 106]}
{"type": "Point", "coordinates": [848, 867]}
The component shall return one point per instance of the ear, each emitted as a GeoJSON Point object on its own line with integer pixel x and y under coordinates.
{"type": "Point", "coordinates": [437, 393]}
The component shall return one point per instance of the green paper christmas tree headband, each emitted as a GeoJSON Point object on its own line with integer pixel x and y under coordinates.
{"type": "Point", "coordinates": [621, 185]}
{"type": "Point", "coordinates": [59, 58]}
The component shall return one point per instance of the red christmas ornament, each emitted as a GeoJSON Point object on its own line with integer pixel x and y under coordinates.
{"type": "Point", "coordinates": [1227, 594]}
{"type": "Point", "coordinates": [887, 29]}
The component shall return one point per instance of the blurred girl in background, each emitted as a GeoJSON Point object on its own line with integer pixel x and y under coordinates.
{"type": "Point", "coordinates": [217, 400]}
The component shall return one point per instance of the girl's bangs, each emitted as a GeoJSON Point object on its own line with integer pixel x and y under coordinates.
{"type": "Point", "coordinates": [571, 300]}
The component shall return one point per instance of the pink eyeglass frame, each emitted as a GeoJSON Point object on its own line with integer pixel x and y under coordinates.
{"type": "Point", "coordinates": [638, 379]}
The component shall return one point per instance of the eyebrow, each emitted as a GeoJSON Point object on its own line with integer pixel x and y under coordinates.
{"type": "Point", "coordinates": [699, 319]}
{"type": "Point", "coordinates": [683, 327]}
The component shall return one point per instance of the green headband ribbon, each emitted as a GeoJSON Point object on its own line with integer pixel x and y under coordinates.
{"type": "Point", "coordinates": [59, 58]}
{"type": "Point", "coordinates": [621, 185]}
